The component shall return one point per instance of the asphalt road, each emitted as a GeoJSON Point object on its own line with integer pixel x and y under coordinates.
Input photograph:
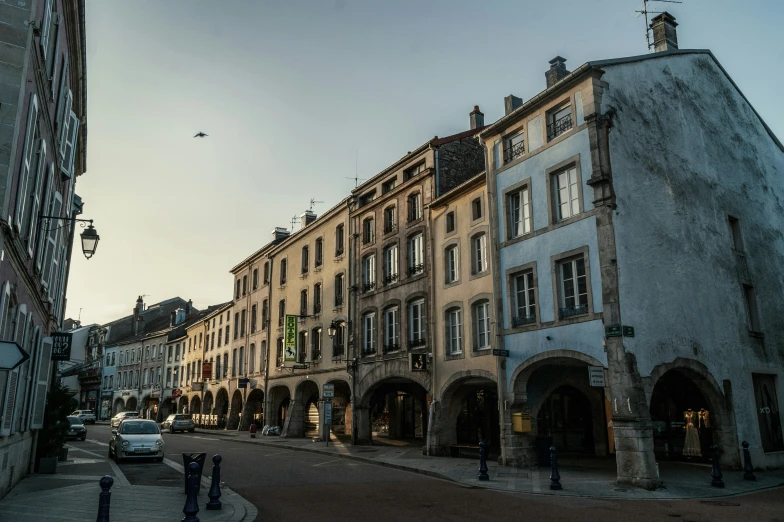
{"type": "Point", "coordinates": [295, 485]}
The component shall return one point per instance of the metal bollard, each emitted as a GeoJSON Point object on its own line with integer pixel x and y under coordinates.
{"type": "Point", "coordinates": [191, 502]}
{"type": "Point", "coordinates": [716, 473]}
{"type": "Point", "coordinates": [555, 477]}
{"type": "Point", "coordinates": [104, 498]}
{"type": "Point", "coordinates": [215, 493]}
{"type": "Point", "coordinates": [483, 462]}
{"type": "Point", "coordinates": [748, 469]}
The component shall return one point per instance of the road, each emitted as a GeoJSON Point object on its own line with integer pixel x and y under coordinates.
{"type": "Point", "coordinates": [295, 485]}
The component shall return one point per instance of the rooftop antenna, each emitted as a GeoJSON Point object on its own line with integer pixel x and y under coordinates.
{"type": "Point", "coordinates": [313, 202]}
{"type": "Point", "coordinates": [79, 319]}
{"type": "Point", "coordinates": [645, 12]}
{"type": "Point", "coordinates": [294, 221]}
{"type": "Point", "coordinates": [356, 177]}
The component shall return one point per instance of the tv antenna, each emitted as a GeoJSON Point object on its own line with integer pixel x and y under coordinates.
{"type": "Point", "coordinates": [294, 221]}
{"type": "Point", "coordinates": [356, 177]}
{"type": "Point", "coordinates": [645, 12]}
{"type": "Point", "coordinates": [313, 202]}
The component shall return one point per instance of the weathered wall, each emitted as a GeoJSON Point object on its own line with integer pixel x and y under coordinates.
{"type": "Point", "coordinates": [459, 161]}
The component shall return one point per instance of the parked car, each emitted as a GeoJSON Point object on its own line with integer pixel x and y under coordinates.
{"type": "Point", "coordinates": [85, 415]}
{"type": "Point", "coordinates": [136, 438]}
{"type": "Point", "coordinates": [117, 419]}
{"type": "Point", "coordinates": [178, 422]}
{"type": "Point", "coordinates": [76, 429]}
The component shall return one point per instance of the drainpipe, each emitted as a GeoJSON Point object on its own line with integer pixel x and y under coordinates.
{"type": "Point", "coordinates": [432, 314]}
{"type": "Point", "coordinates": [244, 369]}
{"type": "Point", "coordinates": [269, 337]}
{"type": "Point", "coordinates": [351, 322]}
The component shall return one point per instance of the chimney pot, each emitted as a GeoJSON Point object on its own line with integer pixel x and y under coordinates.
{"type": "Point", "coordinates": [665, 36]}
{"type": "Point", "coordinates": [280, 233]}
{"type": "Point", "coordinates": [307, 218]}
{"type": "Point", "coordinates": [557, 71]}
{"type": "Point", "coordinates": [477, 118]}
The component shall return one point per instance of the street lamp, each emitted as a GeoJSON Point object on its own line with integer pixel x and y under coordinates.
{"type": "Point", "coordinates": [332, 330]}
{"type": "Point", "coordinates": [89, 237]}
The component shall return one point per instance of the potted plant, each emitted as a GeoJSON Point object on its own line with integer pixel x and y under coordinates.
{"type": "Point", "coordinates": [54, 433]}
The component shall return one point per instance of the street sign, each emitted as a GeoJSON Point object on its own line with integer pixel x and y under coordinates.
{"type": "Point", "coordinates": [596, 376]}
{"type": "Point", "coordinates": [328, 413]}
{"type": "Point", "coordinates": [61, 346]}
{"type": "Point", "coordinates": [11, 355]}
{"type": "Point", "coordinates": [628, 331]}
{"type": "Point", "coordinates": [300, 366]}
{"type": "Point", "coordinates": [328, 391]}
{"type": "Point", "coordinates": [500, 353]}
{"type": "Point", "coordinates": [206, 370]}
{"type": "Point", "coordinates": [290, 339]}
{"type": "Point", "coordinates": [612, 331]}
{"type": "Point", "coordinates": [243, 383]}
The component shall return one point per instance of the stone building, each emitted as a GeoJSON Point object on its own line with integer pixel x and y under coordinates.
{"type": "Point", "coordinates": [389, 247]}
{"type": "Point", "coordinates": [43, 104]}
{"type": "Point", "coordinates": [637, 218]}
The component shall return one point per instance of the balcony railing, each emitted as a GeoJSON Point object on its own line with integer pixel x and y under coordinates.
{"type": "Point", "coordinates": [389, 228]}
{"type": "Point", "coordinates": [513, 152]}
{"type": "Point", "coordinates": [390, 348]}
{"type": "Point", "coordinates": [367, 287]}
{"type": "Point", "coordinates": [338, 300]}
{"type": "Point", "coordinates": [338, 350]}
{"type": "Point", "coordinates": [523, 320]}
{"type": "Point", "coordinates": [572, 311]}
{"type": "Point", "coordinates": [559, 126]}
{"type": "Point", "coordinates": [416, 269]}
{"type": "Point", "coordinates": [389, 279]}
{"type": "Point", "coordinates": [303, 311]}
{"type": "Point", "coordinates": [368, 350]}
{"type": "Point", "coordinates": [338, 252]}
{"type": "Point", "coordinates": [417, 342]}
{"type": "Point", "coordinates": [316, 308]}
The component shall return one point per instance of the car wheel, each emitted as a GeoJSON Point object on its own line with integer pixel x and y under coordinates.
{"type": "Point", "coordinates": [192, 430]}
{"type": "Point", "coordinates": [84, 438]}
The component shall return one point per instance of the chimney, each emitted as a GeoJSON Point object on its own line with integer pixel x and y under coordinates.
{"type": "Point", "coordinates": [279, 234]}
{"type": "Point", "coordinates": [188, 306]}
{"type": "Point", "coordinates": [665, 37]}
{"type": "Point", "coordinates": [511, 103]}
{"type": "Point", "coordinates": [137, 314]}
{"type": "Point", "coordinates": [173, 319]}
{"type": "Point", "coordinates": [307, 218]}
{"type": "Point", "coordinates": [557, 71]}
{"type": "Point", "coordinates": [180, 318]}
{"type": "Point", "coordinates": [477, 118]}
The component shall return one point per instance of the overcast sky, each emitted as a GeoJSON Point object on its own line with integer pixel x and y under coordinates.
{"type": "Point", "coordinates": [296, 95]}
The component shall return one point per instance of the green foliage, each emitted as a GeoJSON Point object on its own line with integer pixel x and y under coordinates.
{"type": "Point", "coordinates": [60, 402]}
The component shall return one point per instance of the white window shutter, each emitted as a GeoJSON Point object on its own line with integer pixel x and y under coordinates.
{"type": "Point", "coordinates": [42, 383]}
{"type": "Point", "coordinates": [61, 102]}
{"type": "Point", "coordinates": [50, 249]}
{"type": "Point", "coordinates": [45, 27]}
{"type": "Point", "coordinates": [35, 200]}
{"type": "Point", "coordinates": [45, 224]}
{"type": "Point", "coordinates": [31, 345]}
{"type": "Point", "coordinates": [9, 405]}
{"type": "Point", "coordinates": [69, 144]}
{"type": "Point", "coordinates": [5, 299]}
{"type": "Point", "coordinates": [59, 297]}
{"type": "Point", "coordinates": [21, 325]}
{"type": "Point", "coordinates": [497, 154]}
{"type": "Point", "coordinates": [66, 120]}
{"type": "Point", "coordinates": [27, 160]}
{"type": "Point", "coordinates": [55, 58]}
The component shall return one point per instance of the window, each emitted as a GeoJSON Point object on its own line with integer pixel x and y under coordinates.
{"type": "Point", "coordinates": [454, 335]}
{"type": "Point", "coordinates": [450, 222]}
{"type": "Point", "coordinates": [255, 281]}
{"type": "Point", "coordinates": [416, 257]}
{"type": "Point", "coordinates": [237, 292]}
{"type": "Point", "coordinates": [567, 196]}
{"type": "Point", "coordinates": [266, 273]}
{"type": "Point", "coordinates": [369, 273]}
{"type": "Point", "coordinates": [414, 207]}
{"type": "Point", "coordinates": [479, 249]}
{"type": "Point", "coordinates": [389, 220]}
{"type": "Point", "coordinates": [413, 171]}
{"type": "Point", "coordinates": [279, 351]}
{"type": "Point", "coordinates": [236, 325]}
{"type": "Point", "coordinates": [220, 337]}
{"type": "Point", "coordinates": [243, 324]}
{"type": "Point", "coordinates": [366, 198]}
{"type": "Point", "coordinates": [218, 367]}
{"type": "Point", "coordinates": [768, 414]}
{"type": "Point", "coordinates": [752, 317]}
{"type": "Point", "coordinates": [452, 264]}
{"type": "Point", "coordinates": [416, 323]}
{"type": "Point", "coordinates": [482, 322]}
{"type": "Point", "coordinates": [226, 337]}
{"type": "Point", "coordinates": [369, 333]}
{"type": "Point", "coordinates": [281, 311]}
{"type": "Point", "coordinates": [339, 341]}
{"type": "Point", "coordinates": [317, 298]}
{"type": "Point", "coordinates": [282, 272]}
{"type": "Point", "coordinates": [264, 314]}
{"type": "Point", "coordinates": [559, 121]}
{"type": "Point", "coordinates": [524, 298]}
{"type": "Point", "coordinates": [390, 265]}
{"type": "Point", "coordinates": [252, 359]}
{"type": "Point", "coordinates": [368, 231]}
{"type": "Point", "coordinates": [244, 285]}
{"type": "Point", "coordinates": [29, 225]}
{"type": "Point", "coordinates": [514, 147]}
{"type": "Point", "coordinates": [573, 287]}
{"type": "Point", "coordinates": [476, 209]}
{"type": "Point", "coordinates": [27, 167]}
{"type": "Point", "coordinates": [241, 367]}
{"type": "Point", "coordinates": [226, 364]}
{"type": "Point", "coordinates": [171, 349]}
{"type": "Point", "coordinates": [519, 208]}
{"type": "Point", "coordinates": [339, 240]}
{"type": "Point", "coordinates": [737, 240]}
{"type": "Point", "coordinates": [305, 260]}
{"type": "Point", "coordinates": [253, 312]}
{"type": "Point", "coordinates": [391, 329]}
{"type": "Point", "coordinates": [303, 303]}
{"type": "Point", "coordinates": [212, 343]}
{"type": "Point", "coordinates": [302, 347]}
{"type": "Point", "coordinates": [339, 290]}
{"type": "Point", "coordinates": [388, 185]}
{"type": "Point", "coordinates": [262, 355]}
{"type": "Point", "coordinates": [315, 354]}
{"type": "Point", "coordinates": [147, 353]}
{"type": "Point", "coordinates": [319, 253]}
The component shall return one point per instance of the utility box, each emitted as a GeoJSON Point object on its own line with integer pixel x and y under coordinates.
{"type": "Point", "coordinates": [521, 422]}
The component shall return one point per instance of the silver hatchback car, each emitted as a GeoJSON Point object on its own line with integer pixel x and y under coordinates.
{"type": "Point", "coordinates": [178, 422]}
{"type": "Point", "coordinates": [136, 438]}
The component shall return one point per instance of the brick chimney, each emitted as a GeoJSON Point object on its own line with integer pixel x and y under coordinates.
{"type": "Point", "coordinates": [557, 71]}
{"type": "Point", "coordinates": [477, 118]}
{"type": "Point", "coordinates": [307, 218]}
{"type": "Point", "coordinates": [511, 103]}
{"type": "Point", "coordinates": [665, 36]}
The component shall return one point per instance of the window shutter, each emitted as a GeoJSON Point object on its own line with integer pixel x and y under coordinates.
{"type": "Point", "coordinates": [60, 296]}
{"type": "Point", "coordinates": [27, 159]}
{"type": "Point", "coordinates": [5, 298]}
{"type": "Point", "coordinates": [43, 232]}
{"type": "Point", "coordinates": [45, 27]}
{"type": "Point", "coordinates": [54, 60]}
{"type": "Point", "coordinates": [50, 254]}
{"type": "Point", "coordinates": [9, 406]}
{"type": "Point", "coordinates": [65, 120]}
{"type": "Point", "coordinates": [33, 335]}
{"type": "Point", "coordinates": [63, 94]}
{"type": "Point", "coordinates": [35, 200]}
{"type": "Point", "coordinates": [497, 154]}
{"type": "Point", "coordinates": [21, 325]}
{"type": "Point", "coordinates": [42, 383]}
{"type": "Point", "coordinates": [69, 146]}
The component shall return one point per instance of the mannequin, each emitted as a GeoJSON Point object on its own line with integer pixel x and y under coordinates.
{"type": "Point", "coordinates": [704, 418]}
{"type": "Point", "coordinates": [691, 446]}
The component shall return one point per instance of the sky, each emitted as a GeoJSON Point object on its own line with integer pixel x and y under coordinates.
{"type": "Point", "coordinates": [297, 96]}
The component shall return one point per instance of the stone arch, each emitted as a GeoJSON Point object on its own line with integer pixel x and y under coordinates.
{"type": "Point", "coordinates": [196, 405]}
{"type": "Point", "coordinates": [131, 404]}
{"type": "Point", "coordinates": [468, 406]}
{"type": "Point", "coordinates": [221, 408]}
{"type": "Point", "coordinates": [278, 404]}
{"type": "Point", "coordinates": [523, 372]}
{"type": "Point", "coordinates": [183, 405]}
{"type": "Point", "coordinates": [118, 406]}
{"type": "Point", "coordinates": [208, 403]}
{"type": "Point", "coordinates": [342, 406]}
{"type": "Point", "coordinates": [380, 372]}
{"type": "Point", "coordinates": [234, 410]}
{"type": "Point", "coordinates": [253, 412]}
{"type": "Point", "coordinates": [303, 419]}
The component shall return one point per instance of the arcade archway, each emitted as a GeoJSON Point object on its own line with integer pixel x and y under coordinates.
{"type": "Point", "coordinates": [131, 405]}
{"type": "Point", "coordinates": [468, 414]}
{"type": "Point", "coordinates": [235, 410]}
{"type": "Point", "coordinates": [119, 406]}
{"type": "Point", "coordinates": [254, 410]}
{"type": "Point", "coordinates": [397, 410]}
{"type": "Point", "coordinates": [303, 419]}
{"type": "Point", "coordinates": [208, 403]}
{"type": "Point", "coordinates": [278, 405]}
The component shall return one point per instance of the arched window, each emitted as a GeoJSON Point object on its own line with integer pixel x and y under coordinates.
{"type": "Point", "coordinates": [252, 358]}
{"type": "Point", "coordinates": [225, 364]}
{"type": "Point", "coordinates": [316, 348]}
{"type": "Point", "coordinates": [234, 363]}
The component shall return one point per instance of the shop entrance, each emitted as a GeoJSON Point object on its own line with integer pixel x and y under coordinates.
{"type": "Point", "coordinates": [478, 418]}
{"type": "Point", "coordinates": [682, 419]}
{"type": "Point", "coordinates": [566, 416]}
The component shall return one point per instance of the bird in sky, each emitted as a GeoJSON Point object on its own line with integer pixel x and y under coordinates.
{"type": "Point", "coordinates": [200, 135]}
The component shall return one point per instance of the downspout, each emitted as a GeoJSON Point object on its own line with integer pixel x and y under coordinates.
{"type": "Point", "coordinates": [269, 338]}
{"type": "Point", "coordinates": [351, 323]}
{"type": "Point", "coordinates": [244, 369]}
{"type": "Point", "coordinates": [432, 312]}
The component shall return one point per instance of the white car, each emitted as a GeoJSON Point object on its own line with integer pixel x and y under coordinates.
{"type": "Point", "coordinates": [136, 438]}
{"type": "Point", "coordinates": [117, 419]}
{"type": "Point", "coordinates": [87, 416]}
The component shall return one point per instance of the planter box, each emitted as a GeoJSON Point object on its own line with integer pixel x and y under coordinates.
{"type": "Point", "coordinates": [48, 465]}
{"type": "Point", "coordinates": [63, 456]}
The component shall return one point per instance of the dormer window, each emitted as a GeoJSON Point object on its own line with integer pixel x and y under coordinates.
{"type": "Point", "coordinates": [559, 121]}
{"type": "Point", "coordinates": [366, 198]}
{"type": "Point", "coordinates": [413, 171]}
{"type": "Point", "coordinates": [514, 147]}
{"type": "Point", "coordinates": [388, 185]}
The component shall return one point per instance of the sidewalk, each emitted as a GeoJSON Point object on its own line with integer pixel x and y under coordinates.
{"type": "Point", "coordinates": [72, 493]}
{"type": "Point", "coordinates": [586, 478]}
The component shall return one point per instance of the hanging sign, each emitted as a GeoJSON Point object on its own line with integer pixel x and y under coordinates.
{"type": "Point", "coordinates": [243, 383]}
{"type": "Point", "coordinates": [328, 413]}
{"type": "Point", "coordinates": [596, 376]}
{"type": "Point", "coordinates": [628, 331]}
{"type": "Point", "coordinates": [11, 355]}
{"type": "Point", "coordinates": [61, 346]}
{"type": "Point", "coordinates": [328, 391]}
{"type": "Point", "coordinates": [206, 370]}
{"type": "Point", "coordinates": [290, 338]}
{"type": "Point", "coordinates": [418, 362]}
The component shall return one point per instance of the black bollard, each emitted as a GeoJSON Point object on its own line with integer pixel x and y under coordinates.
{"type": "Point", "coordinates": [104, 498]}
{"type": "Point", "coordinates": [748, 469]}
{"type": "Point", "coordinates": [483, 462]}
{"type": "Point", "coordinates": [555, 477]}
{"type": "Point", "coordinates": [191, 502]}
{"type": "Point", "coordinates": [716, 473]}
{"type": "Point", "coordinates": [215, 493]}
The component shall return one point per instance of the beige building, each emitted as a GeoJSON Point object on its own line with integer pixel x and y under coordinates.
{"type": "Point", "coordinates": [463, 371]}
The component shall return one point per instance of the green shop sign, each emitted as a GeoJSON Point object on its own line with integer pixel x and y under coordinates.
{"type": "Point", "coordinates": [290, 339]}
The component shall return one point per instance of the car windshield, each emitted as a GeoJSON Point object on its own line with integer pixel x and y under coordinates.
{"type": "Point", "coordinates": [182, 417]}
{"type": "Point", "coordinates": [139, 428]}
{"type": "Point", "coordinates": [73, 421]}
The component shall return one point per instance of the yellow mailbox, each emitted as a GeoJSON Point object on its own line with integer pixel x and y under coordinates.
{"type": "Point", "coordinates": [521, 422]}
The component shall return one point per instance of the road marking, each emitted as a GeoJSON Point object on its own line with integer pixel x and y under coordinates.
{"type": "Point", "coordinates": [276, 453]}
{"type": "Point", "coordinates": [93, 441]}
{"type": "Point", "coordinates": [202, 438]}
{"type": "Point", "coordinates": [119, 475]}
{"type": "Point", "coordinates": [326, 462]}
{"type": "Point", "coordinates": [73, 448]}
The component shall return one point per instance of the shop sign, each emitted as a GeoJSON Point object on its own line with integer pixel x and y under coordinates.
{"type": "Point", "coordinates": [106, 395]}
{"type": "Point", "coordinates": [196, 386]}
{"type": "Point", "coordinates": [61, 346]}
{"type": "Point", "coordinates": [500, 353]}
{"type": "Point", "coordinates": [290, 338]}
{"type": "Point", "coordinates": [126, 394]}
{"type": "Point", "coordinates": [596, 376]}
{"type": "Point", "coordinates": [243, 383]}
{"type": "Point", "coordinates": [328, 391]}
{"type": "Point", "coordinates": [628, 331]}
{"type": "Point", "coordinates": [612, 331]}
{"type": "Point", "coordinates": [206, 370]}
{"type": "Point", "coordinates": [176, 393]}
{"type": "Point", "coordinates": [418, 362]}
